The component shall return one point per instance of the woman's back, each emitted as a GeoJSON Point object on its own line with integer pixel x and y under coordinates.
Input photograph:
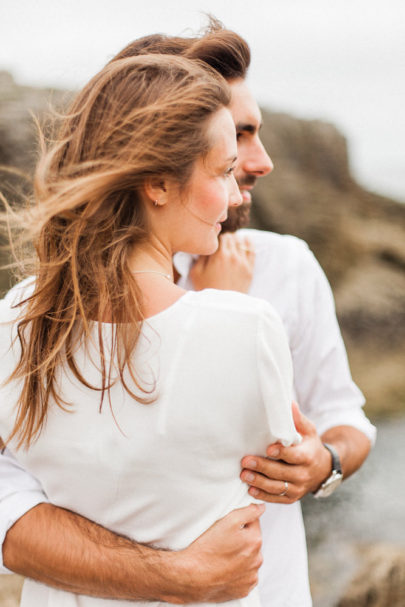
{"type": "Point", "coordinates": [163, 473]}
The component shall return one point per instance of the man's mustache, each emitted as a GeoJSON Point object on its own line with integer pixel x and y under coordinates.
{"type": "Point", "coordinates": [249, 180]}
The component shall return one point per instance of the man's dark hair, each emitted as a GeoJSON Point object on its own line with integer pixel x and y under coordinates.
{"type": "Point", "coordinates": [224, 50]}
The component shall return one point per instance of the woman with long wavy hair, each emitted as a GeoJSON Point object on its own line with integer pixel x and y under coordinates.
{"type": "Point", "coordinates": [109, 368]}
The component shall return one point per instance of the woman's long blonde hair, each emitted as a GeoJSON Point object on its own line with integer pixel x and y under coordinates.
{"type": "Point", "coordinates": [138, 118]}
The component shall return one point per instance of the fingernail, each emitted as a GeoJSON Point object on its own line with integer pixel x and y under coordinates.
{"type": "Point", "coordinates": [252, 463]}
{"type": "Point", "coordinates": [253, 491]}
{"type": "Point", "coordinates": [249, 477]}
{"type": "Point", "coordinates": [274, 452]}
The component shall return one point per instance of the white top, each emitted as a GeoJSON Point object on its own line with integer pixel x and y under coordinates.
{"type": "Point", "coordinates": [223, 375]}
{"type": "Point", "coordinates": [287, 275]}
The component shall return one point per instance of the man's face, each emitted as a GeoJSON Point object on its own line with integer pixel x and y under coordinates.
{"type": "Point", "coordinates": [253, 160]}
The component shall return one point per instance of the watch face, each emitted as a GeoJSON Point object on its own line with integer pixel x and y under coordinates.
{"type": "Point", "coordinates": [330, 485]}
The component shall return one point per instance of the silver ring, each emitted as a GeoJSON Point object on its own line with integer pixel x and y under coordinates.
{"type": "Point", "coordinates": [285, 489]}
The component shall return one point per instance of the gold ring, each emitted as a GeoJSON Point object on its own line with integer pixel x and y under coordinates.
{"type": "Point", "coordinates": [243, 247]}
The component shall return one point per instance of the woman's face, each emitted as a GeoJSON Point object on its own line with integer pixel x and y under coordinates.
{"type": "Point", "coordinates": [211, 189]}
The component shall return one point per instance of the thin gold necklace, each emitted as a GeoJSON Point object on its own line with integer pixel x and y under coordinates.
{"type": "Point", "coordinates": [153, 272]}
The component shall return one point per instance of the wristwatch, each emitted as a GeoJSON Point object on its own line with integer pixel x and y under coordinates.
{"type": "Point", "coordinates": [334, 480]}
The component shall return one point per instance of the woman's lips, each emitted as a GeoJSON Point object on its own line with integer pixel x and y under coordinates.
{"type": "Point", "coordinates": [246, 196]}
{"type": "Point", "coordinates": [219, 223]}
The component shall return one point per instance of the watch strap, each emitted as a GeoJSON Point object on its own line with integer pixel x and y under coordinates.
{"type": "Point", "coordinates": [336, 465]}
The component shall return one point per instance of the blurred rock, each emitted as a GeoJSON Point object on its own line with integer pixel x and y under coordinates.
{"type": "Point", "coordinates": [358, 237]}
{"type": "Point", "coordinates": [10, 590]}
{"type": "Point", "coordinates": [380, 581]}
{"type": "Point", "coordinates": [18, 107]}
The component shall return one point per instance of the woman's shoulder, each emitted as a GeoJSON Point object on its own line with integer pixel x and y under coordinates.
{"type": "Point", "coordinates": [12, 306]}
{"type": "Point", "coordinates": [9, 317]}
{"type": "Point", "coordinates": [231, 303]}
{"type": "Point", "coordinates": [20, 291]}
{"type": "Point", "coordinates": [8, 312]}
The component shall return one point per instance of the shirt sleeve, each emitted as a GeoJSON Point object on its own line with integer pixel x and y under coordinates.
{"type": "Point", "coordinates": [19, 492]}
{"type": "Point", "coordinates": [276, 377]}
{"type": "Point", "coordinates": [324, 387]}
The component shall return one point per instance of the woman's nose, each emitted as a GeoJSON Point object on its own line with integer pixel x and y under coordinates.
{"type": "Point", "coordinates": [235, 196]}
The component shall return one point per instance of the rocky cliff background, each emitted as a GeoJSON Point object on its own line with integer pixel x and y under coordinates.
{"type": "Point", "coordinates": [358, 237]}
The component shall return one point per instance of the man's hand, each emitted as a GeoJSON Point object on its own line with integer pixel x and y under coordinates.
{"type": "Point", "coordinates": [229, 268]}
{"type": "Point", "coordinates": [225, 560]}
{"type": "Point", "coordinates": [303, 467]}
{"type": "Point", "coordinates": [298, 470]}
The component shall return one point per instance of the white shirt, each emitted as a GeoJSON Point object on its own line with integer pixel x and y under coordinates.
{"type": "Point", "coordinates": [223, 379]}
{"type": "Point", "coordinates": [287, 275]}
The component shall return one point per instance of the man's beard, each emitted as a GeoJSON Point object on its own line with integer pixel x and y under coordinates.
{"type": "Point", "coordinates": [238, 217]}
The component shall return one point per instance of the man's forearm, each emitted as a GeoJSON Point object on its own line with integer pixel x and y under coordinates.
{"type": "Point", "coordinates": [66, 551]}
{"type": "Point", "coordinates": [352, 445]}
{"type": "Point", "coordinates": [48, 543]}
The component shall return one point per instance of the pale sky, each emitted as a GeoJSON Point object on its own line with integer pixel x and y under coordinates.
{"type": "Point", "coordinates": [338, 60]}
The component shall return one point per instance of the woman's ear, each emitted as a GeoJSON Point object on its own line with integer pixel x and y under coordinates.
{"type": "Point", "coordinates": [156, 191]}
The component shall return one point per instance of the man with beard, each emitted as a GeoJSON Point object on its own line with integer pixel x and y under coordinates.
{"type": "Point", "coordinates": [62, 549]}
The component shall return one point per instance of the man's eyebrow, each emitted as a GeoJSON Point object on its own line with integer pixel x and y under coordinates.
{"type": "Point", "coordinates": [248, 127]}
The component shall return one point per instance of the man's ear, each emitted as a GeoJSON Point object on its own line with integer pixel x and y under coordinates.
{"type": "Point", "coordinates": [156, 190]}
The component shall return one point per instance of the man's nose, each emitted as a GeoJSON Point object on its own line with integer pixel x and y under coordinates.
{"type": "Point", "coordinates": [259, 162]}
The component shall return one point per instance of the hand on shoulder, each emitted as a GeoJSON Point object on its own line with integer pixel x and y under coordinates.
{"type": "Point", "coordinates": [229, 268]}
